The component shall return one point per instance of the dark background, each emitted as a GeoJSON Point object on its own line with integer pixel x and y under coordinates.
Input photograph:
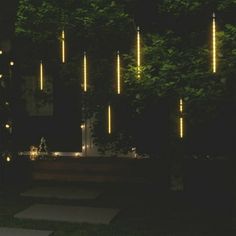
{"type": "Point", "coordinates": [61, 130]}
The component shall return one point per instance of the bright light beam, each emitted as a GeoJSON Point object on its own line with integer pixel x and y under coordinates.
{"type": "Point", "coordinates": [181, 127]}
{"type": "Point", "coordinates": [63, 46]}
{"type": "Point", "coordinates": [118, 72]}
{"type": "Point", "coordinates": [109, 119]}
{"type": "Point", "coordinates": [138, 53]}
{"type": "Point", "coordinates": [85, 72]}
{"type": "Point", "coordinates": [41, 76]}
{"type": "Point", "coordinates": [214, 42]}
{"type": "Point", "coordinates": [181, 120]}
{"type": "Point", "coordinates": [181, 105]}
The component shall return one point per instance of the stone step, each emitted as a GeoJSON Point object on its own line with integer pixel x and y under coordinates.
{"type": "Point", "coordinates": [72, 214]}
{"type": "Point", "coordinates": [5, 231]}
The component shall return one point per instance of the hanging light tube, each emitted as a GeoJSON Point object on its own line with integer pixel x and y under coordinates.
{"type": "Point", "coordinates": [109, 119]}
{"type": "Point", "coordinates": [41, 76]}
{"type": "Point", "coordinates": [118, 72]}
{"type": "Point", "coordinates": [63, 46]}
{"type": "Point", "coordinates": [181, 105]}
{"type": "Point", "coordinates": [85, 72]}
{"type": "Point", "coordinates": [181, 131]}
{"type": "Point", "coordinates": [181, 120]}
{"type": "Point", "coordinates": [214, 42]}
{"type": "Point", "coordinates": [138, 53]}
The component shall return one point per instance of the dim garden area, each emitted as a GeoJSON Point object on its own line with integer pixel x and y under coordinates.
{"type": "Point", "coordinates": [117, 117]}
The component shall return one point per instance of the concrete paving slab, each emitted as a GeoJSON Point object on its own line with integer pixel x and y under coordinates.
{"type": "Point", "coordinates": [4, 231]}
{"type": "Point", "coordinates": [73, 214]}
{"type": "Point", "coordinates": [70, 193]}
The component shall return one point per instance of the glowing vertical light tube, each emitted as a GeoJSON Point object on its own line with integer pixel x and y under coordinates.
{"type": "Point", "coordinates": [118, 72]}
{"type": "Point", "coordinates": [109, 119]}
{"type": "Point", "coordinates": [181, 105]}
{"type": "Point", "coordinates": [85, 72]}
{"type": "Point", "coordinates": [181, 128]}
{"type": "Point", "coordinates": [63, 46]}
{"type": "Point", "coordinates": [41, 76]}
{"type": "Point", "coordinates": [181, 120]}
{"type": "Point", "coordinates": [214, 43]}
{"type": "Point", "coordinates": [138, 53]}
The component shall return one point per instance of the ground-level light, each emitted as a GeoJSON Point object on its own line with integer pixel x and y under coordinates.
{"type": "Point", "coordinates": [7, 126]}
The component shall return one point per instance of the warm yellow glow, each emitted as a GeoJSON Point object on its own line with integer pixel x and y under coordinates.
{"type": "Point", "coordinates": [1, 76]}
{"type": "Point", "coordinates": [181, 131]}
{"type": "Point", "coordinates": [7, 126]}
{"type": "Point", "coordinates": [11, 63]}
{"type": "Point", "coordinates": [109, 119]}
{"type": "Point", "coordinates": [1, 52]}
{"type": "Point", "coordinates": [181, 109]}
{"type": "Point", "coordinates": [138, 53]}
{"type": "Point", "coordinates": [181, 105]}
{"type": "Point", "coordinates": [85, 72]}
{"type": "Point", "coordinates": [77, 154]}
{"type": "Point", "coordinates": [118, 72]}
{"type": "Point", "coordinates": [8, 159]}
{"type": "Point", "coordinates": [63, 45]}
{"type": "Point", "coordinates": [214, 43]}
{"type": "Point", "coordinates": [41, 76]}
{"type": "Point", "coordinates": [33, 153]}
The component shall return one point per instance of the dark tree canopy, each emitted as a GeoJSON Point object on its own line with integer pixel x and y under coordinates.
{"type": "Point", "coordinates": [176, 63]}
